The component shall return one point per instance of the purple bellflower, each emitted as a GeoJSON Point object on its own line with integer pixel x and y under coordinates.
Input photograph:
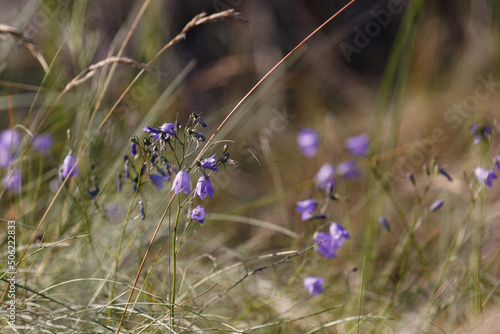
{"type": "Point", "coordinates": [308, 141]}
{"type": "Point", "coordinates": [497, 162]}
{"type": "Point", "coordinates": [306, 208]}
{"type": "Point", "coordinates": [155, 133]}
{"type": "Point", "coordinates": [9, 143]}
{"type": "Point", "coordinates": [198, 214]}
{"type": "Point", "coordinates": [325, 178]}
{"type": "Point", "coordinates": [479, 132]}
{"type": "Point", "coordinates": [204, 187]}
{"type": "Point", "coordinates": [159, 180]}
{"type": "Point", "coordinates": [328, 243]}
{"type": "Point", "coordinates": [314, 285]}
{"type": "Point", "coordinates": [384, 223]}
{"type": "Point", "coordinates": [485, 176]}
{"type": "Point", "coordinates": [181, 183]}
{"type": "Point", "coordinates": [68, 163]}
{"type": "Point", "coordinates": [42, 143]}
{"type": "Point", "coordinates": [12, 182]}
{"type": "Point", "coordinates": [358, 145]}
{"type": "Point", "coordinates": [209, 163]}
{"type": "Point", "coordinates": [169, 129]}
{"type": "Point", "coordinates": [348, 169]}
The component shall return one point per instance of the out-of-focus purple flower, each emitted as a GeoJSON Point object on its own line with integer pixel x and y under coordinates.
{"type": "Point", "coordinates": [328, 243]}
{"type": "Point", "coordinates": [443, 172]}
{"type": "Point", "coordinates": [326, 247]}
{"type": "Point", "coordinates": [204, 187]}
{"type": "Point", "coordinates": [209, 163]}
{"type": "Point", "coordinates": [314, 285]}
{"type": "Point", "coordinates": [308, 141]}
{"type": "Point", "coordinates": [358, 145]}
{"type": "Point", "coordinates": [325, 178]}
{"type": "Point", "coordinates": [479, 132]}
{"type": "Point", "coordinates": [68, 164]}
{"type": "Point", "coordinates": [306, 208]}
{"type": "Point", "coordinates": [159, 180]}
{"type": "Point", "coordinates": [12, 182]}
{"type": "Point", "coordinates": [485, 176]}
{"type": "Point", "coordinates": [169, 129]}
{"type": "Point", "coordinates": [497, 162]}
{"type": "Point", "coordinates": [338, 233]}
{"type": "Point", "coordinates": [436, 205]}
{"type": "Point", "coordinates": [43, 142]}
{"type": "Point", "coordinates": [198, 214]}
{"type": "Point", "coordinates": [181, 183]}
{"type": "Point", "coordinates": [9, 143]}
{"type": "Point", "coordinates": [385, 224]}
{"type": "Point", "coordinates": [348, 169]}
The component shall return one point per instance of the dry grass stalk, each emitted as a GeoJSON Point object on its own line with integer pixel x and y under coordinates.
{"type": "Point", "coordinates": [26, 42]}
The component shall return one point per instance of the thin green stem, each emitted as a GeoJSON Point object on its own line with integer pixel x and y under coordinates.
{"type": "Point", "coordinates": [174, 260]}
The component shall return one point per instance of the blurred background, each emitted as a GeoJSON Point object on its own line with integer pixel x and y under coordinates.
{"type": "Point", "coordinates": [411, 74]}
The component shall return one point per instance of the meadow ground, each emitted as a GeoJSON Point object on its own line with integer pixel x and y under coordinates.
{"type": "Point", "coordinates": [160, 174]}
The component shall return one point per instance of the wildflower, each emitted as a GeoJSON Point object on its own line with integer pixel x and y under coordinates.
{"type": "Point", "coordinates": [325, 178]}
{"type": "Point", "coordinates": [141, 207]}
{"type": "Point", "coordinates": [412, 179]}
{"type": "Point", "coordinates": [385, 224]}
{"type": "Point", "coordinates": [348, 169]}
{"type": "Point", "coordinates": [485, 176]}
{"type": "Point", "coordinates": [155, 133]}
{"type": "Point", "coordinates": [209, 163]}
{"type": "Point", "coordinates": [204, 187]}
{"type": "Point", "coordinates": [308, 141]}
{"type": "Point", "coordinates": [159, 180]}
{"type": "Point", "coordinates": [307, 208]}
{"type": "Point", "coordinates": [12, 181]}
{"type": "Point", "coordinates": [479, 132]}
{"type": "Point", "coordinates": [443, 172]}
{"type": "Point", "coordinates": [497, 162]}
{"type": "Point", "coordinates": [126, 164]}
{"type": "Point", "coordinates": [42, 142]}
{"type": "Point", "coordinates": [314, 285]}
{"type": "Point", "coordinates": [181, 183]}
{"type": "Point", "coordinates": [198, 119]}
{"type": "Point", "coordinates": [358, 145]}
{"type": "Point", "coordinates": [328, 243]}
{"type": "Point", "coordinates": [68, 164]}
{"type": "Point", "coordinates": [9, 142]}
{"type": "Point", "coordinates": [133, 148]}
{"type": "Point", "coordinates": [169, 129]}
{"type": "Point", "coordinates": [198, 214]}
{"type": "Point", "coordinates": [436, 205]}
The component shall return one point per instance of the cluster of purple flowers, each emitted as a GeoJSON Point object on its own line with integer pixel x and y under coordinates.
{"type": "Point", "coordinates": [164, 137]}
{"type": "Point", "coordinates": [327, 244]}
{"type": "Point", "coordinates": [10, 142]}
{"type": "Point", "coordinates": [485, 176]}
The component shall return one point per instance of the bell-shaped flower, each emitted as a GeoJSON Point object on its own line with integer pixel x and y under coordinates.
{"type": "Point", "coordinates": [358, 145]}
{"type": "Point", "coordinates": [204, 187]}
{"type": "Point", "coordinates": [181, 183]}
{"type": "Point", "coordinates": [198, 214]}
{"type": "Point", "coordinates": [308, 141]}
{"type": "Point", "coordinates": [314, 285]}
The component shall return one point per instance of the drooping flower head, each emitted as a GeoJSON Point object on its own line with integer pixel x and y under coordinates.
{"type": "Point", "coordinates": [329, 243]}
{"type": "Point", "coordinates": [358, 145]}
{"type": "Point", "coordinates": [209, 163]}
{"type": "Point", "coordinates": [485, 176]}
{"type": "Point", "coordinates": [348, 169]}
{"type": "Point", "coordinates": [42, 143]}
{"type": "Point", "coordinates": [169, 129]}
{"type": "Point", "coordinates": [198, 214]}
{"type": "Point", "coordinates": [325, 177]}
{"type": "Point", "coordinates": [436, 205]}
{"type": "Point", "coordinates": [314, 285]}
{"type": "Point", "coordinates": [204, 187]}
{"type": "Point", "coordinates": [9, 143]}
{"type": "Point", "coordinates": [384, 223]}
{"type": "Point", "coordinates": [479, 132]}
{"type": "Point", "coordinates": [306, 208]}
{"type": "Point", "coordinates": [308, 141]}
{"type": "Point", "coordinates": [68, 163]}
{"type": "Point", "coordinates": [181, 183]}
